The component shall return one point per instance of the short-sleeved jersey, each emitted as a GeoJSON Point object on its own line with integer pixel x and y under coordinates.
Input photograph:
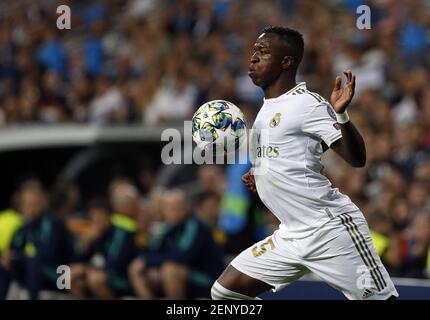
{"type": "Point", "coordinates": [288, 134]}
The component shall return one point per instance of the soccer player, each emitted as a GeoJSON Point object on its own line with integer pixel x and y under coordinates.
{"type": "Point", "coordinates": [321, 230]}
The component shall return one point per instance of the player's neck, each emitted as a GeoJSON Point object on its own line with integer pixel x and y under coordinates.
{"type": "Point", "coordinates": [279, 87]}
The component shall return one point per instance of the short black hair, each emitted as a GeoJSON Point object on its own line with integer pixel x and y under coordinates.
{"type": "Point", "coordinates": [293, 39]}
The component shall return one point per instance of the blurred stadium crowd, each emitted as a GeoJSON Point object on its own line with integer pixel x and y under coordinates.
{"type": "Point", "coordinates": [151, 62]}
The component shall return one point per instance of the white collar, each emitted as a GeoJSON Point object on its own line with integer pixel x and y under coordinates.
{"type": "Point", "coordinates": [299, 85]}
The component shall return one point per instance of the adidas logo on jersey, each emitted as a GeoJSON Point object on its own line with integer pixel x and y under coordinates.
{"type": "Point", "coordinates": [367, 293]}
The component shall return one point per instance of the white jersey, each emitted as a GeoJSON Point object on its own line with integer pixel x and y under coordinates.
{"type": "Point", "coordinates": [292, 128]}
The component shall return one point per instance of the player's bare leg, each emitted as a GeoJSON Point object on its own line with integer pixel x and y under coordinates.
{"type": "Point", "coordinates": [173, 279]}
{"type": "Point", "coordinates": [233, 284]}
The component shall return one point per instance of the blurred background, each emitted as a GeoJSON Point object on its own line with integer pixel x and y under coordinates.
{"type": "Point", "coordinates": [82, 111]}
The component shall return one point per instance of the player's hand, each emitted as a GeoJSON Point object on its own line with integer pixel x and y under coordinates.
{"type": "Point", "coordinates": [249, 181]}
{"type": "Point", "coordinates": [341, 97]}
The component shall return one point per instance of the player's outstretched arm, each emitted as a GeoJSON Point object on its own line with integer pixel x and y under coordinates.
{"type": "Point", "coordinates": [351, 146]}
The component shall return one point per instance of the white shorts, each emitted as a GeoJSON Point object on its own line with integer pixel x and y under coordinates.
{"type": "Point", "coordinates": [341, 253]}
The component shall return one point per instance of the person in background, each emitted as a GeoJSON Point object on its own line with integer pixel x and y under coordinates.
{"type": "Point", "coordinates": [384, 238]}
{"type": "Point", "coordinates": [209, 173]}
{"type": "Point", "coordinates": [111, 247]}
{"type": "Point", "coordinates": [10, 222]}
{"type": "Point", "coordinates": [416, 245]}
{"type": "Point", "coordinates": [66, 200]}
{"type": "Point", "coordinates": [207, 209]}
{"type": "Point", "coordinates": [91, 245]}
{"type": "Point", "coordinates": [145, 219]}
{"type": "Point", "coordinates": [183, 261]}
{"type": "Point", "coordinates": [40, 245]}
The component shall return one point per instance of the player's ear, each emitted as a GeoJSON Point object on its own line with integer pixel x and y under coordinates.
{"type": "Point", "coordinates": [287, 62]}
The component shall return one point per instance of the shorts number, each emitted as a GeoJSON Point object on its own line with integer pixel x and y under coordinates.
{"type": "Point", "coordinates": [259, 250]}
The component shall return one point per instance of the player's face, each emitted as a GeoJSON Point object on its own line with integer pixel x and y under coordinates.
{"type": "Point", "coordinates": [266, 60]}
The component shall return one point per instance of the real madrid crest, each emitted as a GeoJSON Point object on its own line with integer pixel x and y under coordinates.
{"type": "Point", "coordinates": [275, 120]}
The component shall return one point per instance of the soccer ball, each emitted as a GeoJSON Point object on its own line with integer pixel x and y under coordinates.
{"type": "Point", "coordinates": [219, 126]}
